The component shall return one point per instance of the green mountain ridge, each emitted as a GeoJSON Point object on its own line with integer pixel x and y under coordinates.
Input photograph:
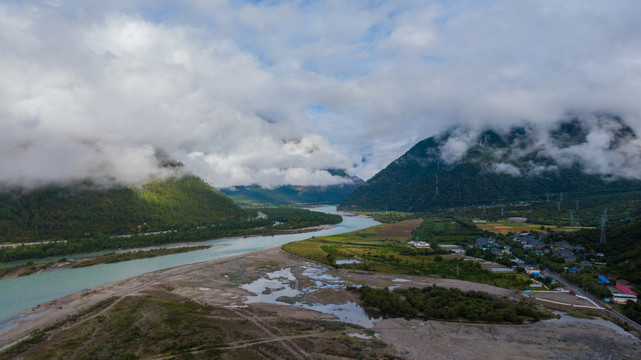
{"type": "Point", "coordinates": [295, 194]}
{"type": "Point", "coordinates": [497, 167]}
{"type": "Point", "coordinates": [80, 210]}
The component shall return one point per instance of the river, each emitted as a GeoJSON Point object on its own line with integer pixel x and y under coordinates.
{"type": "Point", "coordinates": [21, 293]}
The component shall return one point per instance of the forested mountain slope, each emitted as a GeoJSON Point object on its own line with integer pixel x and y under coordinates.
{"type": "Point", "coordinates": [461, 168]}
{"type": "Point", "coordinates": [80, 210]}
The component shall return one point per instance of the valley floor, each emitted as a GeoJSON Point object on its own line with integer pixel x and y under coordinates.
{"type": "Point", "coordinates": [232, 322]}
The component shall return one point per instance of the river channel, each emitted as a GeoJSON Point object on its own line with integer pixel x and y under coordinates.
{"type": "Point", "coordinates": [21, 293]}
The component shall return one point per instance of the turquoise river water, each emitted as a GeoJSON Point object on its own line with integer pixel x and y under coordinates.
{"type": "Point", "coordinates": [21, 293]}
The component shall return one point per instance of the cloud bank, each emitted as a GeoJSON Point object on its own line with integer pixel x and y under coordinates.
{"type": "Point", "coordinates": [275, 92]}
{"type": "Point", "coordinates": [598, 144]}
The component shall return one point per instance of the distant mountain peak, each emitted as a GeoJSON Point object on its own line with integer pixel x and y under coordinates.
{"type": "Point", "coordinates": [470, 166]}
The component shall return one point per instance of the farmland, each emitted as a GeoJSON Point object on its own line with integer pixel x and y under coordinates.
{"type": "Point", "coordinates": [400, 230]}
{"type": "Point", "coordinates": [367, 250]}
{"type": "Point", "coordinates": [446, 230]}
{"type": "Point", "coordinates": [505, 227]}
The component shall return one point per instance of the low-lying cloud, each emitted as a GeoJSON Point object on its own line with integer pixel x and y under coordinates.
{"type": "Point", "coordinates": [598, 144]}
{"type": "Point", "coordinates": [275, 92]}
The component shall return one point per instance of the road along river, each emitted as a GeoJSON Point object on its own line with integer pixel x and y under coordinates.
{"type": "Point", "coordinates": [21, 293]}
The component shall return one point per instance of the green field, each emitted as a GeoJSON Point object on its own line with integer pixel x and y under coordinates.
{"type": "Point", "coordinates": [446, 230]}
{"type": "Point", "coordinates": [397, 256]}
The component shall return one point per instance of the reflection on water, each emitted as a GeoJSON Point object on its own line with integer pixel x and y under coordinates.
{"type": "Point", "coordinates": [282, 287]}
{"type": "Point", "coordinates": [348, 261]}
{"type": "Point", "coordinates": [564, 318]}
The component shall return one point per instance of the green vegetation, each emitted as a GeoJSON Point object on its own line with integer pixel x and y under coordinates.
{"type": "Point", "coordinates": [397, 256]}
{"type": "Point", "coordinates": [589, 281]}
{"type": "Point", "coordinates": [294, 194]}
{"type": "Point", "coordinates": [622, 249]}
{"type": "Point", "coordinates": [39, 336]}
{"type": "Point", "coordinates": [226, 228]}
{"type": "Point", "coordinates": [166, 327]}
{"type": "Point", "coordinates": [632, 310]}
{"type": "Point", "coordinates": [24, 269]}
{"type": "Point", "coordinates": [133, 255]}
{"type": "Point", "coordinates": [387, 217]}
{"type": "Point", "coordinates": [447, 304]}
{"type": "Point", "coordinates": [621, 207]}
{"type": "Point", "coordinates": [410, 182]}
{"type": "Point", "coordinates": [163, 325]}
{"type": "Point", "coordinates": [294, 218]}
{"type": "Point", "coordinates": [83, 210]}
{"type": "Point", "coordinates": [446, 230]}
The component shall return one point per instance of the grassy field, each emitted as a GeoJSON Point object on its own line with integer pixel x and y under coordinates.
{"type": "Point", "coordinates": [504, 227]}
{"type": "Point", "coordinates": [446, 230]}
{"type": "Point", "coordinates": [374, 253]}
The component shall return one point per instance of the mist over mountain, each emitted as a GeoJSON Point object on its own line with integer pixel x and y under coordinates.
{"type": "Point", "coordinates": [296, 194]}
{"type": "Point", "coordinates": [583, 154]}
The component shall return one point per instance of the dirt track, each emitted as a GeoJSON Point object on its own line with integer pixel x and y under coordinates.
{"type": "Point", "coordinates": [216, 283]}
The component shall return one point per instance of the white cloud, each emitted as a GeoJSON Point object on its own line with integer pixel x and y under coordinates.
{"type": "Point", "coordinates": [505, 168]}
{"type": "Point", "coordinates": [92, 89]}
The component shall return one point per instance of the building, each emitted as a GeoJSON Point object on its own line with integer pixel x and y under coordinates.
{"type": "Point", "coordinates": [420, 244]}
{"type": "Point", "coordinates": [623, 293]}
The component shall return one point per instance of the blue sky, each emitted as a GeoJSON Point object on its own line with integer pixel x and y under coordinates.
{"type": "Point", "coordinates": [273, 92]}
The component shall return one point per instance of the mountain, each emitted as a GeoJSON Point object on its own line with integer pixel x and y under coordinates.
{"type": "Point", "coordinates": [82, 209]}
{"type": "Point", "coordinates": [460, 167]}
{"type": "Point", "coordinates": [296, 194]}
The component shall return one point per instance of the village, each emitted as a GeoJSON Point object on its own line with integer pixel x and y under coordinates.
{"type": "Point", "coordinates": [496, 254]}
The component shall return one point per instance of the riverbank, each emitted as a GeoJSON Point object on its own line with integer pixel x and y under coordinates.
{"type": "Point", "coordinates": [113, 257]}
{"type": "Point", "coordinates": [235, 284]}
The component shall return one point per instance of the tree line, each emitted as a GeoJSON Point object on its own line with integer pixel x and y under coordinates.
{"type": "Point", "coordinates": [435, 302]}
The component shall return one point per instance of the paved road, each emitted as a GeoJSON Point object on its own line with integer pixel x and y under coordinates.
{"type": "Point", "coordinates": [580, 291]}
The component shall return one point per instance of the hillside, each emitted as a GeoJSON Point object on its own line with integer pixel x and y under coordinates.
{"type": "Point", "coordinates": [295, 194]}
{"type": "Point", "coordinates": [622, 248]}
{"type": "Point", "coordinates": [81, 209]}
{"type": "Point", "coordinates": [519, 164]}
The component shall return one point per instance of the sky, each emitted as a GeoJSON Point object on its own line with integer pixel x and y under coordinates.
{"type": "Point", "coordinates": [275, 92]}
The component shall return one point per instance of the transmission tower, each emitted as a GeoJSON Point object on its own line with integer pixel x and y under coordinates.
{"type": "Point", "coordinates": [572, 217]}
{"type": "Point", "coordinates": [604, 219]}
{"type": "Point", "coordinates": [501, 211]}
